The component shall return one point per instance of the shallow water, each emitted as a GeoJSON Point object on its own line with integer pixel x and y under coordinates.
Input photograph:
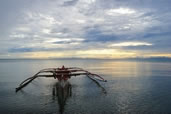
{"type": "Point", "coordinates": [132, 87]}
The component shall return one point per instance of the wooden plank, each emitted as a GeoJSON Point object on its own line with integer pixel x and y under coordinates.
{"type": "Point", "coordinates": [26, 83]}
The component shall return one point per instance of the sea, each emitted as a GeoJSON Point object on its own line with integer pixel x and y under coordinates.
{"type": "Point", "coordinates": [132, 87]}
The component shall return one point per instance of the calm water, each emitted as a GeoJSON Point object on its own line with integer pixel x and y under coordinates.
{"type": "Point", "coordinates": [132, 87]}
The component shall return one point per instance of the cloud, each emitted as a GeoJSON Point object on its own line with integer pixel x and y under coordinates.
{"type": "Point", "coordinates": [122, 11]}
{"type": "Point", "coordinates": [14, 50]}
{"type": "Point", "coordinates": [70, 2]}
{"type": "Point", "coordinates": [125, 44]}
{"type": "Point", "coordinates": [79, 25]}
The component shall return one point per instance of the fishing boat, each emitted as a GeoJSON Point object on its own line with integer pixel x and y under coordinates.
{"type": "Point", "coordinates": [62, 75]}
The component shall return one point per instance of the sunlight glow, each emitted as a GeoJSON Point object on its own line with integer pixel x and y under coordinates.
{"type": "Point", "coordinates": [99, 54]}
{"type": "Point", "coordinates": [46, 54]}
{"type": "Point", "coordinates": [106, 53]}
{"type": "Point", "coordinates": [159, 55]}
{"type": "Point", "coordinates": [96, 53]}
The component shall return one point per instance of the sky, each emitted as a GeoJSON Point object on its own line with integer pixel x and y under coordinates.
{"type": "Point", "coordinates": [85, 28]}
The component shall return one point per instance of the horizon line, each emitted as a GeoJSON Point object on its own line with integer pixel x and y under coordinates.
{"type": "Point", "coordinates": [79, 58]}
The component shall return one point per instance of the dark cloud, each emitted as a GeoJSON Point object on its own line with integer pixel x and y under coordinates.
{"type": "Point", "coordinates": [96, 36]}
{"type": "Point", "coordinates": [70, 3]}
{"type": "Point", "coordinates": [14, 50]}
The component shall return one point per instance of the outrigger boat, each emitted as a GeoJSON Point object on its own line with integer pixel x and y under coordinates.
{"type": "Point", "coordinates": [62, 74]}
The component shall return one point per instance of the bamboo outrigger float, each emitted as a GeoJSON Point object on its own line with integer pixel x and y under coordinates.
{"type": "Point", "coordinates": [62, 74]}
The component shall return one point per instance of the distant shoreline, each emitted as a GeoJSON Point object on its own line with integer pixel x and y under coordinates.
{"type": "Point", "coordinates": [150, 59]}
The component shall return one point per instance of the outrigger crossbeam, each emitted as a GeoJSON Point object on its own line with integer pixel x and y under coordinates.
{"type": "Point", "coordinates": [60, 74]}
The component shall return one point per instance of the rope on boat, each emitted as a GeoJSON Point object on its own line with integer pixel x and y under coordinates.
{"type": "Point", "coordinates": [98, 84]}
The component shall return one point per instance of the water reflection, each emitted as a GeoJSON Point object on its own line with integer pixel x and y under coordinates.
{"type": "Point", "coordinates": [62, 90]}
{"type": "Point", "coordinates": [132, 87]}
